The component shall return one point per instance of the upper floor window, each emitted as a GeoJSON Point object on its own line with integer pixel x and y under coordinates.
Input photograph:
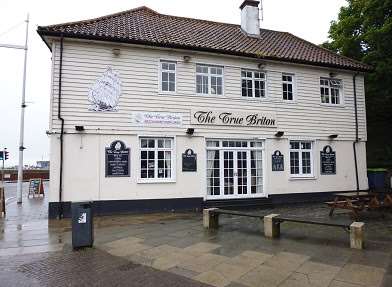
{"type": "Point", "coordinates": [331, 91]}
{"type": "Point", "coordinates": [301, 161]}
{"type": "Point", "coordinates": [209, 80]}
{"type": "Point", "coordinates": [288, 87]}
{"type": "Point", "coordinates": [168, 76]}
{"type": "Point", "coordinates": [253, 84]}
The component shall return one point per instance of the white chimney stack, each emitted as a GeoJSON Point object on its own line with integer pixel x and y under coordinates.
{"type": "Point", "coordinates": [250, 22]}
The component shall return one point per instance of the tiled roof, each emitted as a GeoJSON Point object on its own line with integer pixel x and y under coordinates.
{"type": "Point", "coordinates": [145, 26]}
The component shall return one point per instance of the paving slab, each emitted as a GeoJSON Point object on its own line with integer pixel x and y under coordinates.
{"type": "Point", "coordinates": [361, 274]}
{"type": "Point", "coordinates": [263, 276]}
{"type": "Point", "coordinates": [286, 261]}
{"type": "Point", "coordinates": [213, 278]}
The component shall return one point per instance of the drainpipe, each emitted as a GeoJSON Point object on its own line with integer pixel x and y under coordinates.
{"type": "Point", "coordinates": [356, 131]}
{"type": "Point", "coordinates": [61, 212]}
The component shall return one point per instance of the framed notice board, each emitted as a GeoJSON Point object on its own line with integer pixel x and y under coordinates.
{"type": "Point", "coordinates": [328, 161]}
{"type": "Point", "coordinates": [117, 160]}
{"type": "Point", "coordinates": [277, 161]}
{"type": "Point", "coordinates": [189, 161]}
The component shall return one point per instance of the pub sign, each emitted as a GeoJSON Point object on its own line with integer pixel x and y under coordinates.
{"type": "Point", "coordinates": [189, 160]}
{"type": "Point", "coordinates": [117, 160]}
{"type": "Point", "coordinates": [328, 160]}
{"type": "Point", "coordinates": [277, 161]}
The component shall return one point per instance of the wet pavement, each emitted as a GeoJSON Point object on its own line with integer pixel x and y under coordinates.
{"type": "Point", "coordinates": [172, 249]}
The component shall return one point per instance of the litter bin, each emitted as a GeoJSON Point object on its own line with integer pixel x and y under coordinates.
{"type": "Point", "coordinates": [82, 225]}
{"type": "Point", "coordinates": [376, 177]}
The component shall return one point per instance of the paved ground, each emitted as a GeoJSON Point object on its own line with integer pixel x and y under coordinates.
{"type": "Point", "coordinates": [174, 250]}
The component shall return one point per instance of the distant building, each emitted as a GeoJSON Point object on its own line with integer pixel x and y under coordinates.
{"type": "Point", "coordinates": [43, 164]}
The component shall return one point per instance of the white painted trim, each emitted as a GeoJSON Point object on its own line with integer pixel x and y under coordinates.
{"type": "Point", "coordinates": [221, 149]}
{"type": "Point", "coordinates": [266, 84]}
{"type": "Point", "coordinates": [312, 162]}
{"type": "Point", "coordinates": [209, 80]}
{"type": "Point", "coordinates": [160, 91]}
{"type": "Point", "coordinates": [294, 84]}
{"type": "Point", "coordinates": [173, 161]}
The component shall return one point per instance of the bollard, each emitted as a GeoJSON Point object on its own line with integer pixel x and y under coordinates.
{"type": "Point", "coordinates": [210, 218]}
{"type": "Point", "coordinates": [357, 235]}
{"type": "Point", "coordinates": [271, 226]}
{"type": "Point", "coordinates": [2, 202]}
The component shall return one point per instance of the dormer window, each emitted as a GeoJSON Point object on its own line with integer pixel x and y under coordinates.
{"type": "Point", "coordinates": [331, 91]}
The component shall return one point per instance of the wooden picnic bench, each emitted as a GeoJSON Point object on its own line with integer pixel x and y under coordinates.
{"type": "Point", "coordinates": [358, 201]}
{"type": "Point", "coordinates": [272, 222]}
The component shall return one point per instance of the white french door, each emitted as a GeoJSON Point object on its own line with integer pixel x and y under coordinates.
{"type": "Point", "coordinates": [234, 169]}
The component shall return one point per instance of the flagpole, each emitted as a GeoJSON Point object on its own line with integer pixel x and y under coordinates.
{"type": "Point", "coordinates": [22, 114]}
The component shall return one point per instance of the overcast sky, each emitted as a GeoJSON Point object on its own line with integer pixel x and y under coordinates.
{"type": "Point", "coordinates": [308, 19]}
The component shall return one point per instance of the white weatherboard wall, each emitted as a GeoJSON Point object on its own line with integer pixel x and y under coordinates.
{"type": "Point", "coordinates": [304, 119]}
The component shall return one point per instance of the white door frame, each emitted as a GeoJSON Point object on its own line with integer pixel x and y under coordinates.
{"type": "Point", "coordinates": [235, 151]}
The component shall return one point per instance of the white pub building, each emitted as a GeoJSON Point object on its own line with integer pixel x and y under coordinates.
{"type": "Point", "coordinates": [156, 112]}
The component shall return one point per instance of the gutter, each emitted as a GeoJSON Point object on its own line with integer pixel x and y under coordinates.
{"type": "Point", "coordinates": [356, 131]}
{"type": "Point", "coordinates": [61, 211]}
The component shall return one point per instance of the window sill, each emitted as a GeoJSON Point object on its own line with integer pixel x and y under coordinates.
{"type": "Point", "coordinates": [332, 105]}
{"type": "Point", "coordinates": [144, 181]}
{"type": "Point", "coordinates": [302, 178]}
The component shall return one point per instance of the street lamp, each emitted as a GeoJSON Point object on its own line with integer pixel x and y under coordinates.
{"type": "Point", "coordinates": [23, 106]}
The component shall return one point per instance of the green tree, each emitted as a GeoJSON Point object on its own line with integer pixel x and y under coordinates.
{"type": "Point", "coordinates": [363, 32]}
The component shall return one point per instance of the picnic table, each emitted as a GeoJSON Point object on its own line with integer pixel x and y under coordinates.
{"type": "Point", "coordinates": [358, 201]}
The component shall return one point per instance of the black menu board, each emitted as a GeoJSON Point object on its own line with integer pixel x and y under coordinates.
{"type": "Point", "coordinates": [189, 161]}
{"type": "Point", "coordinates": [328, 161]}
{"type": "Point", "coordinates": [117, 160]}
{"type": "Point", "coordinates": [277, 161]}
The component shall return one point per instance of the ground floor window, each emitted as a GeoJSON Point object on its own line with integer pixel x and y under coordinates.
{"type": "Point", "coordinates": [301, 161]}
{"type": "Point", "coordinates": [156, 159]}
{"type": "Point", "coordinates": [234, 168]}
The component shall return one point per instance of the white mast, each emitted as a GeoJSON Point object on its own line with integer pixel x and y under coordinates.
{"type": "Point", "coordinates": [21, 132]}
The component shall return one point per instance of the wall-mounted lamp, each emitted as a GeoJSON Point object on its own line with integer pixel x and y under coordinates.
{"type": "Point", "coordinates": [79, 128]}
{"type": "Point", "coordinates": [261, 66]}
{"type": "Point", "coordinates": [116, 51]}
{"type": "Point", "coordinates": [334, 136]}
{"type": "Point", "coordinates": [279, 134]}
{"type": "Point", "coordinates": [190, 131]}
{"type": "Point", "coordinates": [187, 58]}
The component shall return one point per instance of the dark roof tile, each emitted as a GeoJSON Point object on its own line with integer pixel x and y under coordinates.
{"type": "Point", "coordinates": [145, 26]}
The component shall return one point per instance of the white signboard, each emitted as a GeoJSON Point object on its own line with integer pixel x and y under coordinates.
{"type": "Point", "coordinates": [105, 94]}
{"type": "Point", "coordinates": [158, 119]}
{"type": "Point", "coordinates": [233, 118]}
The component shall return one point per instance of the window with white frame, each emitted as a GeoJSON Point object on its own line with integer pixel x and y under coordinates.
{"type": "Point", "coordinates": [253, 84]}
{"type": "Point", "coordinates": [209, 80]}
{"type": "Point", "coordinates": [288, 87]}
{"type": "Point", "coordinates": [301, 160]}
{"type": "Point", "coordinates": [156, 159]}
{"type": "Point", "coordinates": [168, 76]}
{"type": "Point", "coordinates": [331, 91]}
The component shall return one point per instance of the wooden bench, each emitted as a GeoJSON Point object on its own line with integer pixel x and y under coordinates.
{"type": "Point", "coordinates": [272, 224]}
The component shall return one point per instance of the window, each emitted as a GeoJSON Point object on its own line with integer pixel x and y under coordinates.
{"type": "Point", "coordinates": [253, 84]}
{"type": "Point", "coordinates": [330, 91]}
{"type": "Point", "coordinates": [209, 80]}
{"type": "Point", "coordinates": [168, 76]}
{"type": "Point", "coordinates": [156, 158]}
{"type": "Point", "coordinates": [301, 162]}
{"type": "Point", "coordinates": [288, 87]}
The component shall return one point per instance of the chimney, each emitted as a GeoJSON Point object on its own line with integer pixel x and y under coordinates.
{"type": "Point", "coordinates": [250, 22]}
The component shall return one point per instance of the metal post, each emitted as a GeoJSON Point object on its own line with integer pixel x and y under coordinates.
{"type": "Point", "coordinates": [21, 132]}
{"type": "Point", "coordinates": [2, 170]}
